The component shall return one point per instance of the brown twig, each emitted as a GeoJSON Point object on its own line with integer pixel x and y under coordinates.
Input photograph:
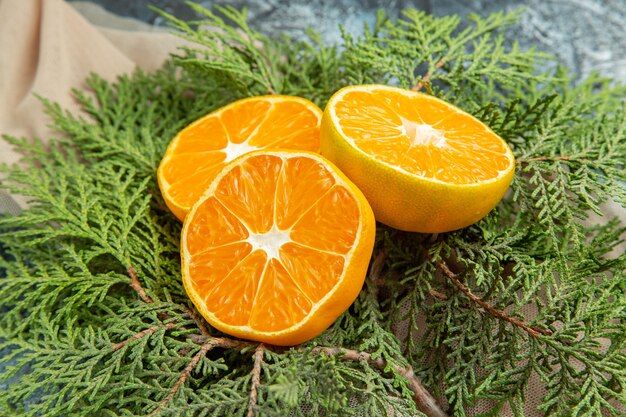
{"type": "Point", "coordinates": [198, 321]}
{"type": "Point", "coordinates": [543, 158]}
{"type": "Point", "coordinates": [426, 78]}
{"type": "Point", "coordinates": [141, 334]}
{"type": "Point", "coordinates": [375, 270]}
{"type": "Point", "coordinates": [194, 361]}
{"type": "Point", "coordinates": [207, 341]}
{"type": "Point", "coordinates": [423, 399]}
{"type": "Point", "coordinates": [223, 342]}
{"type": "Point", "coordinates": [533, 331]}
{"type": "Point", "coordinates": [438, 294]}
{"type": "Point", "coordinates": [136, 285]}
{"type": "Point", "coordinates": [256, 379]}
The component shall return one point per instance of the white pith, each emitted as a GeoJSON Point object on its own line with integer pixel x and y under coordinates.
{"type": "Point", "coordinates": [234, 150]}
{"type": "Point", "coordinates": [270, 242]}
{"type": "Point", "coordinates": [422, 134]}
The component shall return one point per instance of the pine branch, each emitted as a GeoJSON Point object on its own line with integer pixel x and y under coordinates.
{"type": "Point", "coordinates": [544, 158]}
{"type": "Point", "coordinates": [255, 379]}
{"type": "Point", "coordinates": [198, 321]}
{"type": "Point", "coordinates": [239, 52]}
{"type": "Point", "coordinates": [141, 334]}
{"type": "Point", "coordinates": [376, 277]}
{"type": "Point", "coordinates": [426, 77]}
{"type": "Point", "coordinates": [184, 375]}
{"type": "Point", "coordinates": [136, 285]}
{"type": "Point", "coordinates": [423, 399]}
{"type": "Point", "coordinates": [70, 324]}
{"type": "Point", "coordinates": [533, 331]}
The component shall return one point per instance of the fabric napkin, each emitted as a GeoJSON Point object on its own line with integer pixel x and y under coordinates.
{"type": "Point", "coordinates": [47, 48]}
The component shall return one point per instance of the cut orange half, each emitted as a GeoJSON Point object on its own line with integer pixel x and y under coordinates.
{"type": "Point", "coordinates": [200, 150]}
{"type": "Point", "coordinates": [277, 247]}
{"type": "Point", "coordinates": [423, 164]}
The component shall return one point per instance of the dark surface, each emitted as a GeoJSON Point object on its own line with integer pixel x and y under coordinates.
{"type": "Point", "coordinates": [585, 35]}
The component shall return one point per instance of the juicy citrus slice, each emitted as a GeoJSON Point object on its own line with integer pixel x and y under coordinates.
{"type": "Point", "coordinates": [423, 164]}
{"type": "Point", "coordinates": [200, 150]}
{"type": "Point", "coordinates": [277, 247]}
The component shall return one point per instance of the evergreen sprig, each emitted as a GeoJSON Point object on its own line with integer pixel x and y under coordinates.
{"type": "Point", "coordinates": [96, 321]}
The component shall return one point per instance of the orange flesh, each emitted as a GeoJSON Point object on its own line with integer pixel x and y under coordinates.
{"type": "Point", "coordinates": [295, 198]}
{"type": "Point", "coordinates": [203, 148]}
{"type": "Point", "coordinates": [422, 136]}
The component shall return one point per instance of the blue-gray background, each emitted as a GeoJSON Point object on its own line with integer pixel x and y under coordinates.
{"type": "Point", "coordinates": [585, 35]}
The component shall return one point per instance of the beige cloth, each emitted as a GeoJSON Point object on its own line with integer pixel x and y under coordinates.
{"type": "Point", "coordinates": [47, 48]}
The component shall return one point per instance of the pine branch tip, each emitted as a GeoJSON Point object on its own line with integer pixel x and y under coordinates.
{"type": "Point", "coordinates": [136, 285]}
{"type": "Point", "coordinates": [425, 80]}
{"type": "Point", "coordinates": [424, 401]}
{"type": "Point", "coordinates": [141, 334]}
{"type": "Point", "coordinates": [183, 377]}
{"type": "Point", "coordinates": [533, 331]}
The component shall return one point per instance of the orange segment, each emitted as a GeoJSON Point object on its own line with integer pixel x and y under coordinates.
{"type": "Point", "coordinates": [179, 175]}
{"type": "Point", "coordinates": [288, 126]}
{"type": "Point", "coordinates": [359, 116]}
{"type": "Point", "coordinates": [190, 164]}
{"type": "Point", "coordinates": [318, 271]}
{"type": "Point", "coordinates": [201, 149]}
{"type": "Point", "coordinates": [231, 299]}
{"type": "Point", "coordinates": [215, 263]}
{"type": "Point", "coordinates": [423, 164]}
{"type": "Point", "coordinates": [214, 226]}
{"type": "Point", "coordinates": [302, 182]}
{"type": "Point", "coordinates": [392, 150]}
{"type": "Point", "coordinates": [318, 226]}
{"type": "Point", "coordinates": [195, 140]}
{"type": "Point", "coordinates": [267, 258]}
{"type": "Point", "coordinates": [249, 190]}
{"type": "Point", "coordinates": [242, 120]}
{"type": "Point", "coordinates": [280, 303]}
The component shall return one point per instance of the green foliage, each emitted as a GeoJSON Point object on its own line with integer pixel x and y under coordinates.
{"type": "Point", "coordinates": [468, 67]}
{"type": "Point", "coordinates": [228, 49]}
{"type": "Point", "coordinates": [534, 293]}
